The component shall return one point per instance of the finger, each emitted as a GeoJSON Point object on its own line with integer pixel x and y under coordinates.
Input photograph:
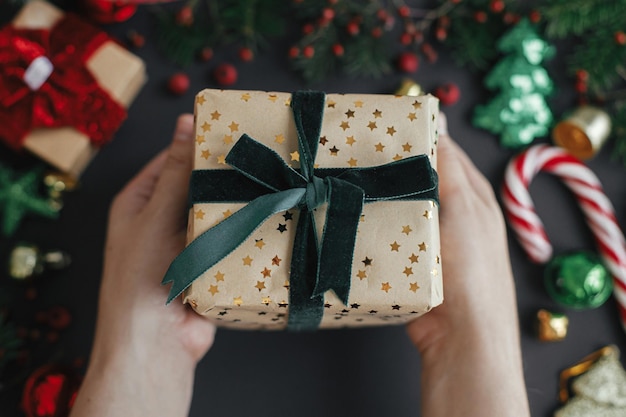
{"type": "Point", "coordinates": [170, 194]}
{"type": "Point", "coordinates": [136, 194]}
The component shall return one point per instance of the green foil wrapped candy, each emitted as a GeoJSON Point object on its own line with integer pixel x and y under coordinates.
{"type": "Point", "coordinates": [578, 280]}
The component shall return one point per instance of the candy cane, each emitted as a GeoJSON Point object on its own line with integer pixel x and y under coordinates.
{"type": "Point", "coordinates": [598, 210]}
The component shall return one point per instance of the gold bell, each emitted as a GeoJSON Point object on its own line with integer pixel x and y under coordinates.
{"type": "Point", "coordinates": [27, 260]}
{"type": "Point", "coordinates": [551, 327]}
{"type": "Point", "coordinates": [584, 132]}
{"type": "Point", "coordinates": [409, 88]}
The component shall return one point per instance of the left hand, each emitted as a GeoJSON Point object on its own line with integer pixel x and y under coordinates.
{"type": "Point", "coordinates": [145, 352]}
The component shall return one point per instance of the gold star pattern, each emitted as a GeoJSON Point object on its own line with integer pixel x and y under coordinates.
{"type": "Point", "coordinates": [215, 115]}
{"type": "Point", "coordinates": [379, 147]}
{"type": "Point", "coordinates": [331, 104]}
{"type": "Point", "coordinates": [286, 285]}
{"type": "Point", "coordinates": [358, 103]}
{"type": "Point", "coordinates": [266, 300]}
{"type": "Point", "coordinates": [377, 114]}
{"type": "Point", "coordinates": [412, 116]}
{"type": "Point", "coordinates": [193, 303]}
{"type": "Point", "coordinates": [397, 157]}
{"type": "Point", "coordinates": [407, 147]}
{"type": "Point", "coordinates": [334, 151]}
{"type": "Point", "coordinates": [344, 125]}
{"type": "Point", "coordinates": [213, 289]}
{"type": "Point", "coordinates": [437, 259]}
{"type": "Point", "coordinates": [206, 127]}
{"type": "Point", "coordinates": [219, 276]}
{"type": "Point", "coordinates": [427, 214]}
{"type": "Point", "coordinates": [408, 271]}
{"type": "Point", "coordinates": [221, 159]}
{"type": "Point", "coordinates": [280, 138]}
{"type": "Point", "coordinates": [414, 287]}
{"type": "Point", "coordinates": [260, 285]}
{"type": "Point", "coordinates": [227, 213]}
{"type": "Point", "coordinates": [433, 117]}
{"type": "Point", "coordinates": [247, 261]}
{"type": "Point", "coordinates": [245, 97]}
{"type": "Point", "coordinates": [200, 139]}
{"type": "Point", "coordinates": [238, 301]}
{"type": "Point", "coordinates": [391, 130]}
{"type": "Point", "coordinates": [349, 113]}
{"type": "Point", "coordinates": [199, 214]}
{"type": "Point", "coordinates": [200, 100]}
{"type": "Point", "coordinates": [350, 140]}
{"type": "Point", "coordinates": [414, 258]}
{"type": "Point", "coordinates": [423, 246]}
{"type": "Point", "coordinates": [283, 304]}
{"type": "Point", "coordinates": [259, 243]}
{"type": "Point", "coordinates": [295, 156]}
{"type": "Point", "coordinates": [352, 162]}
{"type": "Point", "coordinates": [367, 261]}
{"type": "Point", "coordinates": [234, 127]}
{"type": "Point", "coordinates": [361, 275]}
{"type": "Point", "coordinates": [385, 287]}
{"type": "Point", "coordinates": [417, 105]}
{"type": "Point", "coordinates": [395, 246]}
{"type": "Point", "coordinates": [323, 140]}
{"type": "Point", "coordinates": [434, 272]}
{"type": "Point", "coordinates": [272, 98]}
{"type": "Point", "coordinates": [205, 154]}
{"type": "Point", "coordinates": [406, 229]}
{"type": "Point", "coordinates": [228, 139]}
{"type": "Point", "coordinates": [372, 125]}
{"type": "Point", "coordinates": [266, 272]}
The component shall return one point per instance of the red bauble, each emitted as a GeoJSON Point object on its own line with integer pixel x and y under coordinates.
{"type": "Point", "coordinates": [448, 94]}
{"type": "Point", "coordinates": [225, 74]}
{"type": "Point", "coordinates": [108, 11]}
{"type": "Point", "coordinates": [178, 84]}
{"type": "Point", "coordinates": [50, 391]}
{"type": "Point", "coordinates": [408, 62]}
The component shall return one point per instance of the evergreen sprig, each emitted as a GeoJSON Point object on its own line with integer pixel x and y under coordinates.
{"type": "Point", "coordinates": [565, 18]}
{"type": "Point", "coordinates": [9, 342]}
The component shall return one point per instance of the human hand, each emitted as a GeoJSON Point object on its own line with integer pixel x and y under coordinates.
{"type": "Point", "coordinates": [470, 344]}
{"type": "Point", "coordinates": [145, 352]}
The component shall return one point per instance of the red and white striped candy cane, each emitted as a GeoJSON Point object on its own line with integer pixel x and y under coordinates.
{"type": "Point", "coordinates": [598, 210]}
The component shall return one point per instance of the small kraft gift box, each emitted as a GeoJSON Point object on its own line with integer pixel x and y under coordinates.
{"type": "Point", "coordinates": [64, 86]}
{"type": "Point", "coordinates": [311, 210]}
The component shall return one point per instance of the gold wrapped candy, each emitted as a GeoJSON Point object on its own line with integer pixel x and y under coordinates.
{"type": "Point", "coordinates": [584, 132]}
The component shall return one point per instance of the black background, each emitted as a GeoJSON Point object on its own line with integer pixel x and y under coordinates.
{"type": "Point", "coordinates": [366, 372]}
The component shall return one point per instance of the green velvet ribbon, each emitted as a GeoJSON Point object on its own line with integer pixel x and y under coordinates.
{"type": "Point", "coordinates": [264, 180]}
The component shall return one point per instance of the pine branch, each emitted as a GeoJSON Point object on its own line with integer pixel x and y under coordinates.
{"type": "Point", "coordinates": [367, 56]}
{"type": "Point", "coordinates": [472, 43]}
{"type": "Point", "coordinates": [619, 132]}
{"type": "Point", "coordinates": [9, 342]}
{"type": "Point", "coordinates": [574, 17]}
{"type": "Point", "coordinates": [180, 43]}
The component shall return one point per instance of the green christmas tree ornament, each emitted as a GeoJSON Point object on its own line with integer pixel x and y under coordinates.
{"type": "Point", "coordinates": [519, 112]}
{"type": "Point", "coordinates": [19, 197]}
{"type": "Point", "coordinates": [578, 280]}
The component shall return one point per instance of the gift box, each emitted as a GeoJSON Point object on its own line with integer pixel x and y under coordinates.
{"type": "Point", "coordinates": [334, 202]}
{"type": "Point", "coordinates": [64, 86]}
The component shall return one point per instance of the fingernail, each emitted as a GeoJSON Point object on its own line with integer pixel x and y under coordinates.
{"type": "Point", "coordinates": [442, 124]}
{"type": "Point", "coordinates": [184, 128]}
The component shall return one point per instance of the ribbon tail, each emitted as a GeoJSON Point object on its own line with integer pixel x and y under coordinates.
{"type": "Point", "coordinates": [217, 242]}
{"type": "Point", "coordinates": [345, 205]}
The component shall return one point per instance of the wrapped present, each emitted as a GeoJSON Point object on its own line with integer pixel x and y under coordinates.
{"type": "Point", "coordinates": [64, 86]}
{"type": "Point", "coordinates": [311, 210]}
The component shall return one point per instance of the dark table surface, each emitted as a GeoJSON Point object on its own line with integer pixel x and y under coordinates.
{"type": "Point", "coordinates": [365, 372]}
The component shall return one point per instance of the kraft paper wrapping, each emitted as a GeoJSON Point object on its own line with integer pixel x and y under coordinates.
{"type": "Point", "coordinates": [396, 269]}
{"type": "Point", "coordinates": [119, 72]}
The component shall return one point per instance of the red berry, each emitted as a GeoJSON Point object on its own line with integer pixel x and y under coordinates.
{"type": "Point", "coordinates": [377, 33]}
{"type": "Point", "coordinates": [333, 2]}
{"type": "Point", "coordinates": [353, 28]}
{"type": "Point", "coordinates": [580, 86]}
{"type": "Point", "coordinates": [480, 16]}
{"type": "Point", "coordinates": [404, 11]}
{"type": "Point", "coordinates": [225, 74]}
{"type": "Point", "coordinates": [308, 51]}
{"type": "Point", "coordinates": [534, 16]}
{"type": "Point", "coordinates": [448, 94]}
{"type": "Point", "coordinates": [135, 39]}
{"type": "Point", "coordinates": [294, 51]}
{"type": "Point", "coordinates": [178, 84]}
{"type": "Point", "coordinates": [328, 14]}
{"type": "Point", "coordinates": [444, 21]}
{"type": "Point", "coordinates": [338, 49]}
{"type": "Point", "coordinates": [441, 34]}
{"type": "Point", "coordinates": [382, 14]}
{"type": "Point", "coordinates": [406, 39]}
{"type": "Point", "coordinates": [408, 62]}
{"type": "Point", "coordinates": [496, 6]}
{"type": "Point", "coordinates": [58, 318]}
{"type": "Point", "coordinates": [582, 75]}
{"type": "Point", "coordinates": [184, 17]}
{"type": "Point", "coordinates": [510, 18]}
{"type": "Point", "coordinates": [206, 54]}
{"type": "Point", "coordinates": [429, 52]}
{"type": "Point", "coordinates": [308, 29]}
{"type": "Point", "coordinates": [246, 54]}
{"type": "Point", "coordinates": [418, 36]}
{"type": "Point", "coordinates": [620, 38]}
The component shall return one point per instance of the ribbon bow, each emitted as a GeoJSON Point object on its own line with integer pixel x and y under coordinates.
{"type": "Point", "coordinates": [261, 177]}
{"type": "Point", "coordinates": [69, 96]}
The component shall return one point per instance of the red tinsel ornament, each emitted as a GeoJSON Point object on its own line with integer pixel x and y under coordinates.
{"type": "Point", "coordinates": [108, 11]}
{"type": "Point", "coordinates": [50, 391]}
